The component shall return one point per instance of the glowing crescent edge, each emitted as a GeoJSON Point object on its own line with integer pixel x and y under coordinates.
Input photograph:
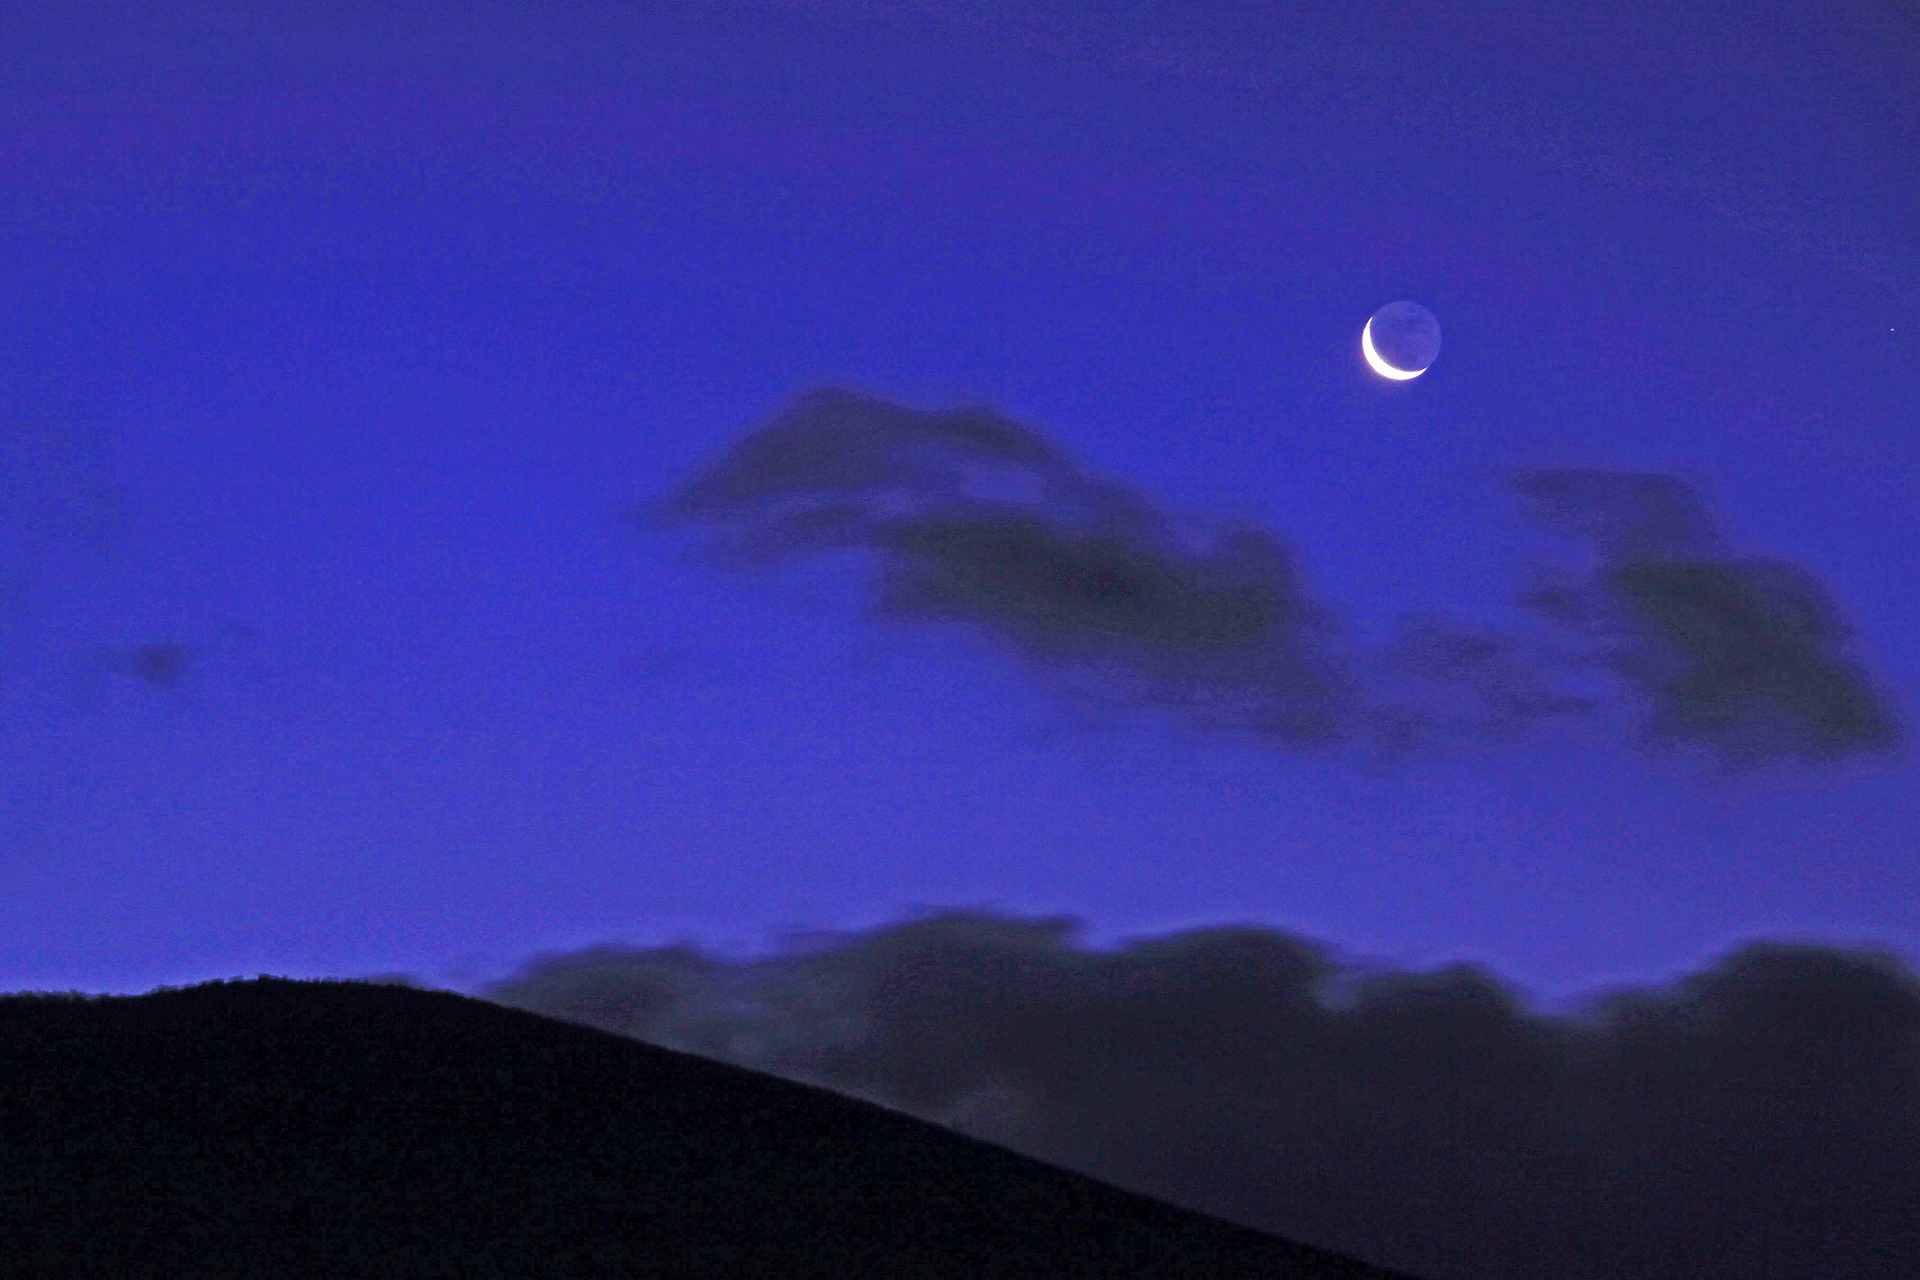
{"type": "Point", "coordinates": [1380, 366]}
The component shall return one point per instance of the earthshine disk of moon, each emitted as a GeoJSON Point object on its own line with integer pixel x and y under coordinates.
{"type": "Point", "coordinates": [1401, 340]}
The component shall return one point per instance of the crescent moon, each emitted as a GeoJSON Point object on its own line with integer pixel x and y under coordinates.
{"type": "Point", "coordinates": [1380, 366]}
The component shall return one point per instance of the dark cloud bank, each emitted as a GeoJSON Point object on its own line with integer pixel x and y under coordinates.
{"type": "Point", "coordinates": [1760, 1119]}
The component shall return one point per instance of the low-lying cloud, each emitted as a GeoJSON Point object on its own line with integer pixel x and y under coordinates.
{"type": "Point", "coordinates": [972, 518]}
{"type": "Point", "coordinates": [1759, 1120]}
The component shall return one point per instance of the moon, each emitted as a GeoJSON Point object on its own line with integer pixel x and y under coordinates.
{"type": "Point", "coordinates": [1401, 340]}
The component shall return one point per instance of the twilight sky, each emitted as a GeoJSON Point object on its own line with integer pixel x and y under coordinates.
{"type": "Point", "coordinates": [338, 353]}
{"type": "Point", "coordinates": [481, 482]}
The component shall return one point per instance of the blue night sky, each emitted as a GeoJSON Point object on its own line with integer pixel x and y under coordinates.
{"type": "Point", "coordinates": [482, 481]}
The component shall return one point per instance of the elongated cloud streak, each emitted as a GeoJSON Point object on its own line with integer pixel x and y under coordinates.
{"type": "Point", "coordinates": [973, 519]}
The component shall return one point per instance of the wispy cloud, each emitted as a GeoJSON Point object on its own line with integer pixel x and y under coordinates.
{"type": "Point", "coordinates": [974, 519]}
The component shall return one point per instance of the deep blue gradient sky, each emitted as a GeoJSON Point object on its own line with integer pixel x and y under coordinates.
{"type": "Point", "coordinates": [336, 353]}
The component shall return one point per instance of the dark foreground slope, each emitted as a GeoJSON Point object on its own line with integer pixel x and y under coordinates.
{"type": "Point", "coordinates": [275, 1128]}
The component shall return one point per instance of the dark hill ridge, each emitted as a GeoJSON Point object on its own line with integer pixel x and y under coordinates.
{"type": "Point", "coordinates": [280, 1128]}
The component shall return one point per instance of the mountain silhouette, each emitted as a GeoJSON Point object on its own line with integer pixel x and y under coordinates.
{"type": "Point", "coordinates": [281, 1128]}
